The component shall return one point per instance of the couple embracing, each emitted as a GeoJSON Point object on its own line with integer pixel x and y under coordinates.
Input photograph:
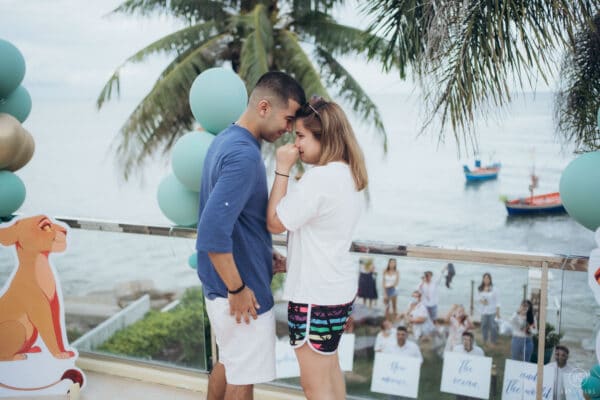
{"type": "Point", "coordinates": [236, 261]}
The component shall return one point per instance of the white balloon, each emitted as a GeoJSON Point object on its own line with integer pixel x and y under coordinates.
{"type": "Point", "coordinates": [23, 154]}
{"type": "Point", "coordinates": [11, 138]}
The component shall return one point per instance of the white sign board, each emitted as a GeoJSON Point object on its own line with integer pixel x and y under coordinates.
{"type": "Point", "coordinates": [466, 375]}
{"type": "Point", "coordinates": [287, 365]}
{"type": "Point", "coordinates": [396, 374]}
{"type": "Point", "coordinates": [520, 380]}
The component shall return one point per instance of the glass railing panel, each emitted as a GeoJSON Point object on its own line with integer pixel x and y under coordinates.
{"type": "Point", "coordinates": [129, 295]}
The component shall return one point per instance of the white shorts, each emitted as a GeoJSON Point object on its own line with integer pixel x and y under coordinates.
{"type": "Point", "coordinates": [246, 350]}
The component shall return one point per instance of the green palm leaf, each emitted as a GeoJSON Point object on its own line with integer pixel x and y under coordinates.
{"type": "Point", "coordinates": [254, 60]}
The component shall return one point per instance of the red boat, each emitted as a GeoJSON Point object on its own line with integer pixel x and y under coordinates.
{"type": "Point", "coordinates": [549, 203]}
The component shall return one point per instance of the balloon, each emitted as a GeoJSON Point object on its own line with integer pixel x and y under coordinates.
{"type": "Point", "coordinates": [193, 261]}
{"type": "Point", "coordinates": [595, 371]}
{"type": "Point", "coordinates": [12, 193]}
{"type": "Point", "coordinates": [217, 98]}
{"type": "Point", "coordinates": [187, 158]}
{"type": "Point", "coordinates": [11, 138]}
{"type": "Point", "coordinates": [17, 104]}
{"type": "Point", "coordinates": [598, 118]}
{"type": "Point", "coordinates": [580, 189]}
{"type": "Point", "coordinates": [24, 153]}
{"type": "Point", "coordinates": [590, 385]}
{"type": "Point", "coordinates": [176, 202]}
{"type": "Point", "coordinates": [12, 68]}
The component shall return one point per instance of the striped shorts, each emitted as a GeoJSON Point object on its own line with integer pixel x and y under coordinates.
{"type": "Point", "coordinates": [323, 325]}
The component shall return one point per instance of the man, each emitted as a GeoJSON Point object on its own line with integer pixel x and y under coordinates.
{"type": "Point", "coordinates": [561, 356]}
{"type": "Point", "coordinates": [404, 347]}
{"type": "Point", "coordinates": [468, 346]}
{"type": "Point", "coordinates": [235, 261]}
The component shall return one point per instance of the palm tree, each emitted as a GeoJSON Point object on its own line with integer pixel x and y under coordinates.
{"type": "Point", "coordinates": [578, 98]}
{"type": "Point", "coordinates": [466, 54]}
{"type": "Point", "coordinates": [253, 37]}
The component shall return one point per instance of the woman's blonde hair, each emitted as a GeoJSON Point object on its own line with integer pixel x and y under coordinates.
{"type": "Point", "coordinates": [330, 126]}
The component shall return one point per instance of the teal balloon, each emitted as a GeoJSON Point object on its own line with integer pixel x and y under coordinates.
{"type": "Point", "coordinates": [598, 118]}
{"type": "Point", "coordinates": [193, 261]}
{"type": "Point", "coordinates": [187, 158]}
{"type": "Point", "coordinates": [580, 189]}
{"type": "Point", "coordinates": [12, 68]}
{"type": "Point", "coordinates": [17, 104]}
{"type": "Point", "coordinates": [12, 193]}
{"type": "Point", "coordinates": [177, 203]}
{"type": "Point", "coordinates": [218, 97]}
{"type": "Point", "coordinates": [595, 371]}
{"type": "Point", "coordinates": [591, 386]}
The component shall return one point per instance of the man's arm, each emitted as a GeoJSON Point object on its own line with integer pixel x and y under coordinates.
{"type": "Point", "coordinates": [242, 304]}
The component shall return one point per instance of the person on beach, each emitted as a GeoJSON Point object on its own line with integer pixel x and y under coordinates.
{"type": "Point", "coordinates": [458, 323]}
{"type": "Point", "coordinates": [429, 289]}
{"type": "Point", "coordinates": [385, 338]}
{"type": "Point", "coordinates": [487, 297]}
{"type": "Point", "coordinates": [320, 213]}
{"type": "Point", "coordinates": [562, 372]}
{"type": "Point", "coordinates": [418, 317]}
{"type": "Point", "coordinates": [367, 287]}
{"type": "Point", "coordinates": [391, 278]}
{"type": "Point", "coordinates": [523, 327]}
{"type": "Point", "coordinates": [406, 348]}
{"type": "Point", "coordinates": [235, 254]}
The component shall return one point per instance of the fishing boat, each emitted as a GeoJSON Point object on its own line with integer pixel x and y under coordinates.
{"type": "Point", "coordinates": [480, 173]}
{"type": "Point", "coordinates": [548, 203]}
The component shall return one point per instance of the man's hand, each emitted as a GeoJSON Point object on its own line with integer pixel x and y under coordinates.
{"type": "Point", "coordinates": [278, 262]}
{"type": "Point", "coordinates": [243, 305]}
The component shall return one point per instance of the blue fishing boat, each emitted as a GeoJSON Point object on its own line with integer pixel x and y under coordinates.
{"type": "Point", "coordinates": [549, 203]}
{"type": "Point", "coordinates": [480, 173]}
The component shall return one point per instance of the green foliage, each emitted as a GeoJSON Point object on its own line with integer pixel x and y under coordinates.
{"type": "Point", "coordinates": [552, 337]}
{"type": "Point", "coordinates": [253, 37]}
{"type": "Point", "coordinates": [466, 54]}
{"type": "Point", "coordinates": [160, 334]}
{"type": "Point", "coordinates": [578, 98]}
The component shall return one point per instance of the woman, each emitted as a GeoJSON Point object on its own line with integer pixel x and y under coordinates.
{"type": "Point", "coordinates": [523, 327]}
{"type": "Point", "coordinates": [458, 323]}
{"type": "Point", "coordinates": [367, 289]}
{"type": "Point", "coordinates": [385, 341]}
{"type": "Point", "coordinates": [391, 277]}
{"type": "Point", "coordinates": [320, 214]}
{"type": "Point", "coordinates": [490, 309]}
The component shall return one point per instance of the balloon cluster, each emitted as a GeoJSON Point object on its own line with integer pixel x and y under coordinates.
{"type": "Point", "coordinates": [590, 385]}
{"type": "Point", "coordinates": [217, 98]}
{"type": "Point", "coordinates": [16, 144]}
{"type": "Point", "coordinates": [580, 188]}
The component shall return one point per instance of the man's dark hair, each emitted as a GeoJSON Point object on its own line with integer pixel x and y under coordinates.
{"type": "Point", "coordinates": [283, 86]}
{"type": "Point", "coordinates": [469, 334]}
{"type": "Point", "coordinates": [401, 328]}
{"type": "Point", "coordinates": [563, 348]}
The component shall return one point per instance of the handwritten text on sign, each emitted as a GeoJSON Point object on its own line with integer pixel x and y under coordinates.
{"type": "Point", "coordinates": [466, 375]}
{"type": "Point", "coordinates": [520, 380]}
{"type": "Point", "coordinates": [395, 374]}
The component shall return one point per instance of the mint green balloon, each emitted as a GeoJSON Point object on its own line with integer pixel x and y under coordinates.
{"type": "Point", "coordinates": [218, 97]}
{"type": "Point", "coordinates": [17, 104]}
{"type": "Point", "coordinates": [12, 193]}
{"type": "Point", "coordinates": [12, 68]}
{"type": "Point", "coordinates": [177, 203]}
{"type": "Point", "coordinates": [580, 189]}
{"type": "Point", "coordinates": [193, 261]}
{"type": "Point", "coordinates": [187, 158]}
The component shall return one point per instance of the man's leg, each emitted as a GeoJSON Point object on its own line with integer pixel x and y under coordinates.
{"type": "Point", "coordinates": [217, 383]}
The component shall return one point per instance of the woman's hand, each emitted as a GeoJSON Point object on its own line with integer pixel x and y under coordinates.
{"type": "Point", "coordinates": [285, 158]}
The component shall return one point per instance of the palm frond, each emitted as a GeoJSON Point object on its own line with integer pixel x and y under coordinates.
{"type": "Point", "coordinates": [578, 98]}
{"type": "Point", "coordinates": [258, 44]}
{"type": "Point", "coordinates": [189, 10]}
{"type": "Point", "coordinates": [178, 42]}
{"type": "Point", "coordinates": [164, 114]}
{"type": "Point", "coordinates": [348, 88]}
{"type": "Point", "coordinates": [297, 63]}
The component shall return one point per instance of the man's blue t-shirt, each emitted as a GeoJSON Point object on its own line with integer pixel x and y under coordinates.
{"type": "Point", "coordinates": [232, 218]}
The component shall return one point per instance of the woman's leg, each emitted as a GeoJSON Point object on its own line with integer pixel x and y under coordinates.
{"type": "Point", "coordinates": [320, 375]}
{"type": "Point", "coordinates": [485, 327]}
{"type": "Point", "coordinates": [528, 349]}
{"type": "Point", "coordinates": [516, 348]}
{"type": "Point", "coordinates": [494, 329]}
{"type": "Point", "coordinates": [394, 300]}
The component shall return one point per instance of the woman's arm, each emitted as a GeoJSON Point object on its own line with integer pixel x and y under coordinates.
{"type": "Point", "coordinates": [286, 157]}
